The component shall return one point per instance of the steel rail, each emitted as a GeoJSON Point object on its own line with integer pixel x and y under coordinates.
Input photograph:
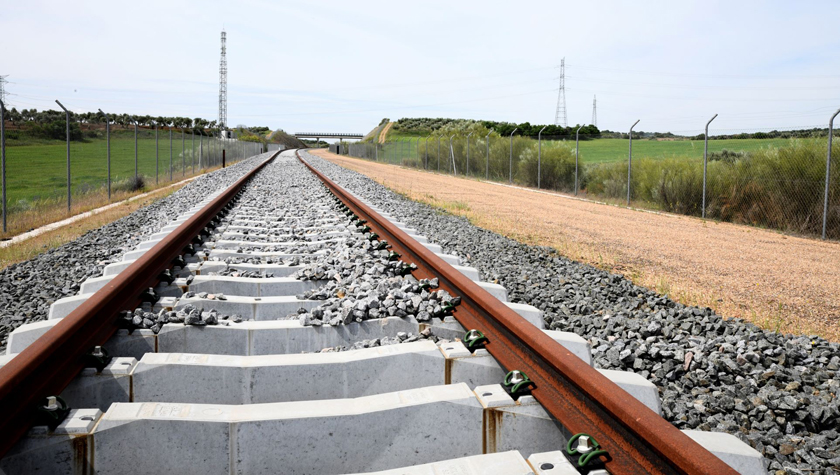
{"type": "Point", "coordinates": [580, 398]}
{"type": "Point", "coordinates": [50, 363]}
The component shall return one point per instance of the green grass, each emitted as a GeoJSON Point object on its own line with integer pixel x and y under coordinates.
{"type": "Point", "coordinates": [614, 150]}
{"type": "Point", "coordinates": [39, 172]}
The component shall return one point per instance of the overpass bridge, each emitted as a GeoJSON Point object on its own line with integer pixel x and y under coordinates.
{"type": "Point", "coordinates": [327, 135]}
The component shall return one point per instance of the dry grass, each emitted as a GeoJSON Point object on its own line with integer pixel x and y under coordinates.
{"type": "Point", "coordinates": [782, 283]}
{"type": "Point", "coordinates": [39, 244]}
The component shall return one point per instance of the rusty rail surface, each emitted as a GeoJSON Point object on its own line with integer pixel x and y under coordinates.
{"type": "Point", "coordinates": [580, 398]}
{"type": "Point", "coordinates": [49, 364]}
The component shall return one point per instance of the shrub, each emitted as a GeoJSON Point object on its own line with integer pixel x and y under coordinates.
{"type": "Point", "coordinates": [556, 168]}
{"type": "Point", "coordinates": [131, 184]}
{"type": "Point", "coordinates": [776, 187]}
{"type": "Point", "coordinates": [726, 156]}
{"type": "Point", "coordinates": [780, 187]}
{"type": "Point", "coordinates": [56, 129]}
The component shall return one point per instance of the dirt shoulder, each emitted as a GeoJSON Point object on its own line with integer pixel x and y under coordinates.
{"type": "Point", "coordinates": [384, 133]}
{"type": "Point", "coordinates": [784, 283]}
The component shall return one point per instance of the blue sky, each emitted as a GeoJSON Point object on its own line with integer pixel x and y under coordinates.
{"type": "Point", "coordinates": [343, 66]}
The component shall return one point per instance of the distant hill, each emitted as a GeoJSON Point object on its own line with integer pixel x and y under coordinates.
{"type": "Point", "coordinates": [290, 141]}
{"type": "Point", "coordinates": [429, 126]}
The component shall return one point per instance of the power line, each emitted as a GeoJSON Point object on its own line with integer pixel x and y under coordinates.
{"type": "Point", "coordinates": [661, 73]}
{"type": "Point", "coordinates": [701, 86]}
{"type": "Point", "coordinates": [707, 99]}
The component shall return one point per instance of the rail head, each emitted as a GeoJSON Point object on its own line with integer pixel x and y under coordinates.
{"type": "Point", "coordinates": [580, 398]}
{"type": "Point", "coordinates": [50, 363]}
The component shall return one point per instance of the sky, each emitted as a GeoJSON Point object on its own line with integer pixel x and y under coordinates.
{"type": "Point", "coordinates": [324, 66]}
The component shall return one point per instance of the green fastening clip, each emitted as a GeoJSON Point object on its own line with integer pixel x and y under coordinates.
{"type": "Point", "coordinates": [366, 229]}
{"type": "Point", "coordinates": [518, 384]}
{"type": "Point", "coordinates": [97, 358]}
{"type": "Point", "coordinates": [166, 276]}
{"type": "Point", "coordinates": [586, 455]}
{"type": "Point", "coordinates": [447, 308]}
{"type": "Point", "coordinates": [179, 261]}
{"type": "Point", "coordinates": [149, 296]}
{"type": "Point", "coordinates": [406, 269]}
{"type": "Point", "coordinates": [393, 256]}
{"type": "Point", "coordinates": [373, 237]}
{"type": "Point", "coordinates": [52, 413]}
{"type": "Point", "coordinates": [383, 244]}
{"type": "Point", "coordinates": [475, 340]}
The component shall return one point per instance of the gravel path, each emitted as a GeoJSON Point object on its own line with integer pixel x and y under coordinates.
{"type": "Point", "coordinates": [773, 391]}
{"type": "Point", "coordinates": [777, 281]}
{"type": "Point", "coordinates": [29, 288]}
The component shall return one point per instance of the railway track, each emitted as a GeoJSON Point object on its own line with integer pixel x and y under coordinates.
{"type": "Point", "coordinates": [284, 325]}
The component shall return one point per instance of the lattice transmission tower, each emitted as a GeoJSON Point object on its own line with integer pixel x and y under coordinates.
{"type": "Point", "coordinates": [594, 111]}
{"type": "Point", "coordinates": [223, 86]}
{"type": "Point", "coordinates": [560, 116]}
{"type": "Point", "coordinates": [3, 89]}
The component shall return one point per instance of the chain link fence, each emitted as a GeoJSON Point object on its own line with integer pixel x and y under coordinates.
{"type": "Point", "coordinates": [777, 181]}
{"type": "Point", "coordinates": [45, 180]}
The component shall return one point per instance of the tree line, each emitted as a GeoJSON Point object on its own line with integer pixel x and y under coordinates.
{"type": "Point", "coordinates": [34, 116]}
{"type": "Point", "coordinates": [429, 125]}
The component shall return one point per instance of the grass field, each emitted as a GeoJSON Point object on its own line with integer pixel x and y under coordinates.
{"type": "Point", "coordinates": [39, 172]}
{"type": "Point", "coordinates": [615, 150]}
{"type": "Point", "coordinates": [36, 172]}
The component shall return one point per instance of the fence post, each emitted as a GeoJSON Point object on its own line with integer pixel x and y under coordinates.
{"type": "Point", "coordinates": [630, 161]}
{"type": "Point", "coordinates": [539, 156]}
{"type": "Point", "coordinates": [3, 155]}
{"type": "Point", "coordinates": [200, 149]}
{"type": "Point", "coordinates": [510, 178]}
{"type": "Point", "coordinates": [467, 169]}
{"type": "Point", "coordinates": [705, 163]}
{"type": "Point", "coordinates": [108, 147]}
{"type": "Point", "coordinates": [487, 168]}
{"type": "Point", "coordinates": [67, 119]}
{"type": "Point", "coordinates": [183, 155]}
{"type": "Point", "coordinates": [192, 155]}
{"type": "Point", "coordinates": [828, 171]}
{"type": "Point", "coordinates": [135, 151]}
{"type": "Point", "coordinates": [577, 144]}
{"type": "Point", "coordinates": [157, 155]}
{"type": "Point", "coordinates": [452, 156]}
